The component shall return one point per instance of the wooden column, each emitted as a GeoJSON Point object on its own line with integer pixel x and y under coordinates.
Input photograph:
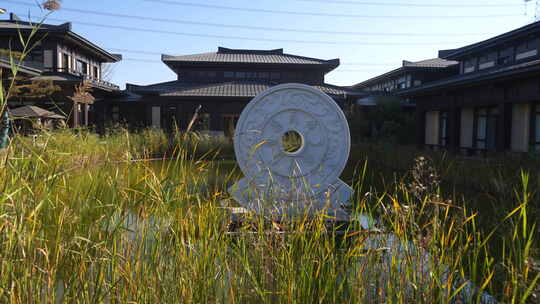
{"type": "Point", "coordinates": [454, 128]}
{"type": "Point", "coordinates": [75, 114]}
{"type": "Point", "coordinates": [420, 117]}
{"type": "Point", "coordinates": [85, 109]}
{"type": "Point", "coordinates": [504, 126]}
{"type": "Point", "coordinates": [215, 121]}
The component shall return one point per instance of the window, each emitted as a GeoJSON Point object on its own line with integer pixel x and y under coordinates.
{"type": "Point", "coordinates": [275, 76]}
{"type": "Point", "coordinates": [469, 65]}
{"type": "Point", "coordinates": [65, 62]}
{"type": "Point", "coordinates": [404, 82]}
{"type": "Point", "coordinates": [205, 74]}
{"type": "Point", "coordinates": [505, 56]}
{"type": "Point", "coordinates": [96, 73]}
{"type": "Point", "coordinates": [81, 67]}
{"type": "Point", "coordinates": [527, 49]}
{"type": "Point", "coordinates": [487, 61]}
{"type": "Point", "coordinates": [240, 75]}
{"type": "Point", "coordinates": [170, 119]}
{"type": "Point", "coordinates": [228, 74]}
{"type": "Point", "coordinates": [35, 55]}
{"type": "Point", "coordinates": [485, 122]}
{"type": "Point", "coordinates": [115, 114]}
{"type": "Point", "coordinates": [251, 75]}
{"type": "Point", "coordinates": [504, 60]}
{"type": "Point", "coordinates": [443, 129]}
{"type": "Point", "coordinates": [535, 124]}
{"type": "Point", "coordinates": [295, 76]}
{"type": "Point", "coordinates": [263, 75]}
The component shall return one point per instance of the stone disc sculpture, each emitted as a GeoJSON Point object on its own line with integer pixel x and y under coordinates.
{"type": "Point", "coordinates": [286, 183]}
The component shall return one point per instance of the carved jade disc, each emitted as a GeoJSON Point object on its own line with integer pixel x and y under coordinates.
{"type": "Point", "coordinates": [306, 111]}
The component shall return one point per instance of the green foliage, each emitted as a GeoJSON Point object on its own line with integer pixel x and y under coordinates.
{"type": "Point", "coordinates": [80, 221]}
{"type": "Point", "coordinates": [33, 89]}
{"type": "Point", "coordinates": [386, 122]}
{"type": "Point", "coordinates": [10, 53]}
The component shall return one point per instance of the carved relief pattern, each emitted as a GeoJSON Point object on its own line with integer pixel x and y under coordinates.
{"type": "Point", "coordinates": [306, 110]}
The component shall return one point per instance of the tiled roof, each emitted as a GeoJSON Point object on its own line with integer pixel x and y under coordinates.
{"type": "Point", "coordinates": [225, 89]}
{"type": "Point", "coordinates": [471, 78]}
{"type": "Point", "coordinates": [523, 31]}
{"type": "Point", "coordinates": [33, 112]}
{"type": "Point", "coordinates": [430, 63]}
{"type": "Point", "coordinates": [14, 24]}
{"type": "Point", "coordinates": [435, 63]}
{"type": "Point", "coordinates": [225, 55]}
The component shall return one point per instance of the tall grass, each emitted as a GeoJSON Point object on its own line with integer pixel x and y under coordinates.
{"type": "Point", "coordinates": [80, 222]}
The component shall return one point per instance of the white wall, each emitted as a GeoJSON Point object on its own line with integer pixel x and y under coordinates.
{"type": "Point", "coordinates": [432, 128]}
{"type": "Point", "coordinates": [466, 128]}
{"type": "Point", "coordinates": [156, 116]}
{"type": "Point", "coordinates": [520, 127]}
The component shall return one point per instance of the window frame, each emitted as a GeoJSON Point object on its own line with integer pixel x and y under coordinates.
{"type": "Point", "coordinates": [491, 116]}
{"type": "Point", "coordinates": [81, 64]}
{"type": "Point", "coordinates": [535, 120]}
{"type": "Point", "coordinates": [444, 136]}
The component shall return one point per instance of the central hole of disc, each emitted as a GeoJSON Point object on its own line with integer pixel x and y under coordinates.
{"type": "Point", "coordinates": [292, 142]}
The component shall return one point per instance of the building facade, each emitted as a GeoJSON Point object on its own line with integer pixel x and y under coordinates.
{"type": "Point", "coordinates": [491, 104]}
{"type": "Point", "coordinates": [222, 83]}
{"type": "Point", "coordinates": [409, 75]}
{"type": "Point", "coordinates": [68, 63]}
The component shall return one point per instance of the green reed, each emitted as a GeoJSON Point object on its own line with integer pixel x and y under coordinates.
{"type": "Point", "coordinates": [80, 221]}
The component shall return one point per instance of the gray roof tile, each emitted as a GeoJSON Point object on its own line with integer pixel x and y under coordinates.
{"type": "Point", "coordinates": [224, 55]}
{"type": "Point", "coordinates": [435, 63]}
{"type": "Point", "coordinates": [431, 63]}
{"type": "Point", "coordinates": [471, 78]}
{"type": "Point", "coordinates": [224, 89]}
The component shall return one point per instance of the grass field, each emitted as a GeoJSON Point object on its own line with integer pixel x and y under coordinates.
{"type": "Point", "coordinates": [80, 221]}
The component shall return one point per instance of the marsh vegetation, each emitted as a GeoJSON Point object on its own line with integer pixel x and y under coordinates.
{"type": "Point", "coordinates": [81, 221]}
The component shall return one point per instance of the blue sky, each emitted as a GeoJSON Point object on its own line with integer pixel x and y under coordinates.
{"type": "Point", "coordinates": [361, 56]}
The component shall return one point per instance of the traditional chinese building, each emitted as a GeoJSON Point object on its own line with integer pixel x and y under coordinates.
{"type": "Point", "coordinates": [492, 103]}
{"type": "Point", "coordinates": [222, 83]}
{"type": "Point", "coordinates": [61, 73]}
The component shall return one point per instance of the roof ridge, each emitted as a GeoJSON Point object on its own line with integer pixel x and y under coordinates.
{"type": "Point", "coordinates": [224, 50]}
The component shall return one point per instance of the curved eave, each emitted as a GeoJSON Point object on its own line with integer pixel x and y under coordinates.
{"type": "Point", "coordinates": [103, 54]}
{"type": "Point", "coordinates": [474, 79]}
{"type": "Point", "coordinates": [458, 53]}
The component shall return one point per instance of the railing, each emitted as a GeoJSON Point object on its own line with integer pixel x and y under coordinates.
{"type": "Point", "coordinates": [93, 80]}
{"type": "Point", "coordinates": [99, 82]}
{"type": "Point", "coordinates": [26, 63]}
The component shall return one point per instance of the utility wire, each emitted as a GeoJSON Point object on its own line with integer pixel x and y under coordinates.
{"type": "Point", "coordinates": [248, 27]}
{"type": "Point", "coordinates": [246, 38]}
{"type": "Point", "coordinates": [313, 14]}
{"type": "Point", "coordinates": [403, 4]}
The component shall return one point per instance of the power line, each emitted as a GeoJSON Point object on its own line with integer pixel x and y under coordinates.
{"type": "Point", "coordinates": [249, 27]}
{"type": "Point", "coordinates": [259, 39]}
{"type": "Point", "coordinates": [282, 12]}
{"type": "Point", "coordinates": [402, 4]}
